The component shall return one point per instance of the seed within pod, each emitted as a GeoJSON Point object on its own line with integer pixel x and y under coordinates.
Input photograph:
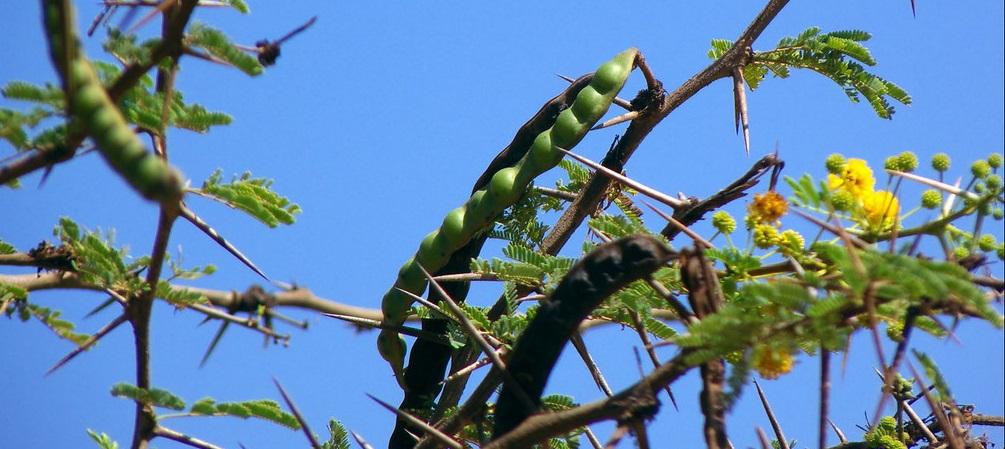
{"type": "Point", "coordinates": [433, 252]}
{"type": "Point", "coordinates": [542, 153]}
{"type": "Point", "coordinates": [611, 76]}
{"type": "Point", "coordinates": [410, 277]}
{"type": "Point", "coordinates": [590, 105]}
{"type": "Point", "coordinates": [567, 130]}
{"type": "Point", "coordinates": [477, 213]}
{"type": "Point", "coordinates": [395, 306]}
{"type": "Point", "coordinates": [452, 228]}
{"type": "Point", "coordinates": [504, 187]}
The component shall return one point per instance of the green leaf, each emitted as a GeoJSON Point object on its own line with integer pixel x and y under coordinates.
{"type": "Point", "coordinates": [51, 319]}
{"type": "Point", "coordinates": [239, 5]}
{"type": "Point", "coordinates": [179, 297]}
{"type": "Point", "coordinates": [338, 436]}
{"type": "Point", "coordinates": [7, 248]}
{"type": "Point", "coordinates": [263, 408]}
{"type": "Point", "coordinates": [719, 48]}
{"type": "Point", "coordinates": [154, 396]}
{"type": "Point", "coordinates": [47, 95]}
{"type": "Point", "coordinates": [218, 45]}
{"type": "Point", "coordinates": [13, 126]}
{"type": "Point", "coordinates": [934, 375]}
{"type": "Point", "coordinates": [253, 196]}
{"type": "Point", "coordinates": [102, 440]}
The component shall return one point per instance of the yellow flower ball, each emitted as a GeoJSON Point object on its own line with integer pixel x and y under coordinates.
{"type": "Point", "coordinates": [771, 362]}
{"type": "Point", "coordinates": [880, 210]}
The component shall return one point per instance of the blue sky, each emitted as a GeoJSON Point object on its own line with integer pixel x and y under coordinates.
{"type": "Point", "coordinates": [378, 120]}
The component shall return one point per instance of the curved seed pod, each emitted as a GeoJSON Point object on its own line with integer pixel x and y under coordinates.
{"type": "Point", "coordinates": [392, 348]}
{"type": "Point", "coordinates": [496, 190]}
{"type": "Point", "coordinates": [90, 106]}
{"type": "Point", "coordinates": [596, 276]}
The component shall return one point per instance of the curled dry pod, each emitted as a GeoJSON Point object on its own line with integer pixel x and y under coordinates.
{"type": "Point", "coordinates": [612, 75]}
{"type": "Point", "coordinates": [452, 228]}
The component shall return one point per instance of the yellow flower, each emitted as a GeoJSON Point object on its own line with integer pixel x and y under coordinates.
{"type": "Point", "coordinates": [880, 210]}
{"type": "Point", "coordinates": [767, 207]}
{"type": "Point", "coordinates": [856, 178]}
{"type": "Point", "coordinates": [765, 236]}
{"type": "Point", "coordinates": [772, 362]}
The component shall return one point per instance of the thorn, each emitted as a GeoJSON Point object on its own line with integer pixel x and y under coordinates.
{"type": "Point", "coordinates": [567, 79]}
{"type": "Point", "coordinates": [410, 331]}
{"type": "Point", "coordinates": [189, 215]}
{"type": "Point", "coordinates": [87, 344]}
{"type": "Point", "coordinates": [161, 7]}
{"type": "Point", "coordinates": [914, 11]}
{"type": "Point", "coordinates": [779, 435]}
{"type": "Point", "coordinates": [297, 415]}
{"type": "Point", "coordinates": [100, 307]}
{"type": "Point", "coordinates": [360, 441]}
{"type": "Point", "coordinates": [416, 422]}
{"type": "Point", "coordinates": [838, 431]}
{"type": "Point", "coordinates": [740, 105]}
{"type": "Point", "coordinates": [212, 344]}
{"type": "Point", "coordinates": [955, 190]}
{"type": "Point", "coordinates": [681, 226]}
{"type": "Point", "coordinates": [625, 104]}
{"type": "Point", "coordinates": [833, 229]}
{"type": "Point", "coordinates": [638, 186]}
{"type": "Point", "coordinates": [628, 116]}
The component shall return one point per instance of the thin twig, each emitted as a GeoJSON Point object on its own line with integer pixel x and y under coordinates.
{"type": "Point", "coordinates": [182, 438]}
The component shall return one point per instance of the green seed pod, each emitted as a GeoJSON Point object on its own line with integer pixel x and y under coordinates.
{"type": "Point", "coordinates": [504, 187]}
{"type": "Point", "coordinates": [590, 105]}
{"type": "Point", "coordinates": [392, 348]}
{"type": "Point", "coordinates": [611, 76]}
{"type": "Point", "coordinates": [395, 306]}
{"type": "Point", "coordinates": [410, 278]}
{"type": "Point", "coordinates": [542, 153]}
{"type": "Point", "coordinates": [567, 130]}
{"type": "Point", "coordinates": [452, 227]}
{"type": "Point", "coordinates": [477, 213]}
{"type": "Point", "coordinates": [88, 99]}
{"type": "Point", "coordinates": [433, 252]}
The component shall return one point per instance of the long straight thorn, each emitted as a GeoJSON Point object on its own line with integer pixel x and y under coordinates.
{"type": "Point", "coordinates": [740, 103]}
{"type": "Point", "coordinates": [628, 116]}
{"type": "Point", "coordinates": [360, 441]}
{"type": "Point", "coordinates": [87, 344]}
{"type": "Point", "coordinates": [189, 215]}
{"type": "Point", "coordinates": [681, 226]}
{"type": "Point", "coordinates": [638, 186]}
{"type": "Point", "coordinates": [297, 415]}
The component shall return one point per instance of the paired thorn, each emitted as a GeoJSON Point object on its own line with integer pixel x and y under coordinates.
{"type": "Point", "coordinates": [837, 430]}
{"type": "Point", "coordinates": [296, 414]}
{"type": "Point", "coordinates": [740, 117]}
{"type": "Point", "coordinates": [418, 423]}
{"type": "Point", "coordinates": [189, 215]}
{"type": "Point", "coordinates": [160, 8]}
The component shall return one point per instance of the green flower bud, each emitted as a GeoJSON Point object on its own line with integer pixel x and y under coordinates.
{"type": "Point", "coordinates": [835, 163]}
{"type": "Point", "coordinates": [987, 242]}
{"type": "Point", "coordinates": [980, 168]}
{"type": "Point", "coordinates": [941, 162]}
{"type": "Point", "coordinates": [895, 331]}
{"type": "Point", "coordinates": [842, 200]}
{"type": "Point", "coordinates": [994, 182]}
{"type": "Point", "coordinates": [1001, 252]}
{"type": "Point", "coordinates": [931, 199]}
{"type": "Point", "coordinates": [723, 222]}
{"type": "Point", "coordinates": [892, 163]}
{"type": "Point", "coordinates": [908, 161]}
{"type": "Point", "coordinates": [998, 213]}
{"type": "Point", "coordinates": [995, 160]}
{"type": "Point", "coordinates": [765, 236]}
{"type": "Point", "coordinates": [961, 252]}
